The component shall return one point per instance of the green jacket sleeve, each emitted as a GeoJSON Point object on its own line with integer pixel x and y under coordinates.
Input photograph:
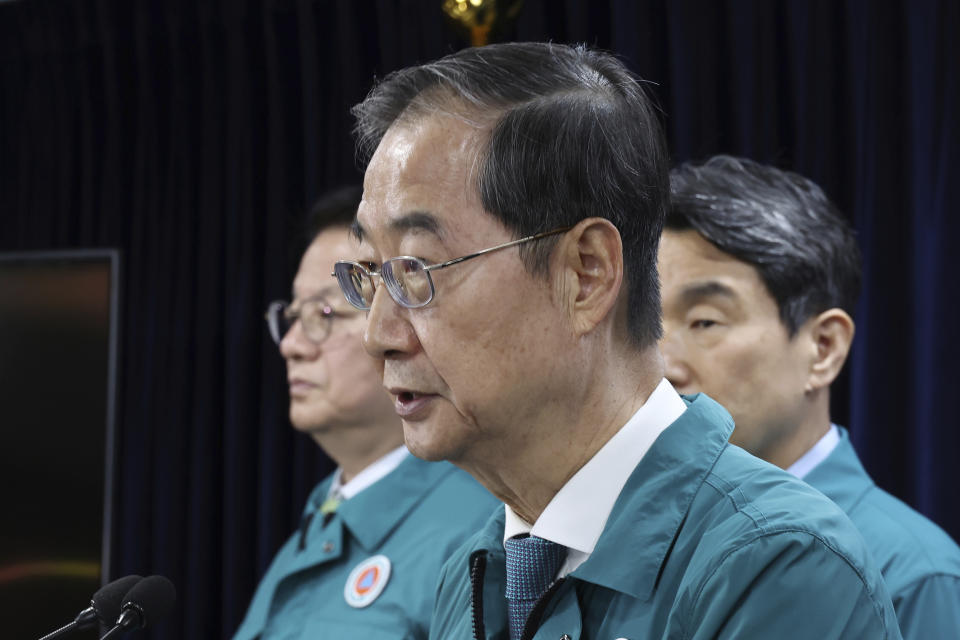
{"type": "Point", "coordinates": [789, 585]}
{"type": "Point", "coordinates": [930, 608]}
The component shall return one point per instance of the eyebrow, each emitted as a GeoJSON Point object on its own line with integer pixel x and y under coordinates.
{"type": "Point", "coordinates": [413, 221]}
{"type": "Point", "coordinates": [696, 292]}
{"type": "Point", "coordinates": [417, 221]}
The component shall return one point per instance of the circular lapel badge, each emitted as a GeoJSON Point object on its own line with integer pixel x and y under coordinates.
{"type": "Point", "coordinates": [367, 581]}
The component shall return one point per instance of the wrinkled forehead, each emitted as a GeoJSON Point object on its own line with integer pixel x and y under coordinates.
{"type": "Point", "coordinates": [422, 178]}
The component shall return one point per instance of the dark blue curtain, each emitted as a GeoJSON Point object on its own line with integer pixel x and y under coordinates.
{"type": "Point", "coordinates": [192, 134]}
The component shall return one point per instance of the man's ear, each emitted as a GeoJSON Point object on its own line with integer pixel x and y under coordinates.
{"type": "Point", "coordinates": [832, 334]}
{"type": "Point", "coordinates": [592, 272]}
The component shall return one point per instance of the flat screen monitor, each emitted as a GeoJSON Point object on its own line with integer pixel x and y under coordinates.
{"type": "Point", "coordinates": [58, 352]}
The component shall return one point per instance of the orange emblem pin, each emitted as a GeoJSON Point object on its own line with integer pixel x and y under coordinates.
{"type": "Point", "coordinates": [367, 581]}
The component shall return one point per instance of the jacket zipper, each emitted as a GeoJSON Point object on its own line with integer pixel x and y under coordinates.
{"type": "Point", "coordinates": [478, 566]}
{"type": "Point", "coordinates": [304, 527]}
{"type": "Point", "coordinates": [533, 620]}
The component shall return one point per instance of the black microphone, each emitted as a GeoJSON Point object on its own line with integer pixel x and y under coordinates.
{"type": "Point", "coordinates": [104, 607]}
{"type": "Point", "coordinates": [149, 600]}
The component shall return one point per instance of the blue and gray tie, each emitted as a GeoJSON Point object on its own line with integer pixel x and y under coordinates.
{"type": "Point", "coordinates": [532, 563]}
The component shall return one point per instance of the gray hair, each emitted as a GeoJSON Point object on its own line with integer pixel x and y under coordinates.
{"type": "Point", "coordinates": [572, 136]}
{"type": "Point", "coordinates": [779, 222]}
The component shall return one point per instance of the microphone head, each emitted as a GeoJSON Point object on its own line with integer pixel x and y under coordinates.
{"type": "Point", "coordinates": [152, 598]}
{"type": "Point", "coordinates": [106, 602]}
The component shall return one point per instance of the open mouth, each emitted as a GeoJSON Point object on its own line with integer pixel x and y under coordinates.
{"type": "Point", "coordinates": [412, 404]}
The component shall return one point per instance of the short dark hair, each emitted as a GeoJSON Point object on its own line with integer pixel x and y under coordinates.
{"type": "Point", "coordinates": [777, 221]}
{"type": "Point", "coordinates": [573, 136]}
{"type": "Point", "coordinates": [335, 208]}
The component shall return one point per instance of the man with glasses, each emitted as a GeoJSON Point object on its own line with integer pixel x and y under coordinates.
{"type": "Point", "coordinates": [357, 567]}
{"type": "Point", "coordinates": [513, 202]}
{"type": "Point", "coordinates": [760, 279]}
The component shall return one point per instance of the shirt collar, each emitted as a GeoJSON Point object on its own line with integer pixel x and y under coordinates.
{"type": "Point", "coordinates": [651, 509]}
{"type": "Point", "coordinates": [368, 475]}
{"type": "Point", "coordinates": [578, 513]}
{"type": "Point", "coordinates": [816, 454]}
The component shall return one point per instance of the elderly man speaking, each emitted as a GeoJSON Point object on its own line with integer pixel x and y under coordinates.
{"type": "Point", "coordinates": [512, 209]}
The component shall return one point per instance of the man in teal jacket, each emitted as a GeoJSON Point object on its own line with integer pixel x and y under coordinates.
{"type": "Point", "coordinates": [760, 277]}
{"type": "Point", "coordinates": [703, 542]}
{"type": "Point", "coordinates": [358, 566]}
{"type": "Point", "coordinates": [512, 209]}
{"type": "Point", "coordinates": [315, 587]}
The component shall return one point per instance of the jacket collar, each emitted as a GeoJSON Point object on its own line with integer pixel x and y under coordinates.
{"type": "Point", "coordinates": [375, 512]}
{"type": "Point", "coordinates": [652, 506]}
{"type": "Point", "coordinates": [656, 499]}
{"type": "Point", "coordinates": [841, 476]}
{"type": "Point", "coordinates": [369, 517]}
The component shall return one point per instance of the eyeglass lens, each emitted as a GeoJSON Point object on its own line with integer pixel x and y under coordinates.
{"type": "Point", "coordinates": [356, 284]}
{"type": "Point", "coordinates": [407, 280]}
{"type": "Point", "coordinates": [315, 317]}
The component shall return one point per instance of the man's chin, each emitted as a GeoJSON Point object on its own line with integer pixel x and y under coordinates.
{"type": "Point", "coordinates": [307, 423]}
{"type": "Point", "coordinates": [421, 441]}
{"type": "Point", "coordinates": [426, 454]}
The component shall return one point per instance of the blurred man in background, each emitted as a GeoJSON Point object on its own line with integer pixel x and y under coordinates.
{"type": "Point", "coordinates": [760, 276]}
{"type": "Point", "coordinates": [358, 567]}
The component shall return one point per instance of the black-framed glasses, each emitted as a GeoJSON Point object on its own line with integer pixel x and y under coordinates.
{"type": "Point", "coordinates": [407, 278]}
{"type": "Point", "coordinates": [315, 315]}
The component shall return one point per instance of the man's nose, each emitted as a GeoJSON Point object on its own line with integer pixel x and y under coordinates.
{"type": "Point", "coordinates": [295, 345]}
{"type": "Point", "coordinates": [389, 332]}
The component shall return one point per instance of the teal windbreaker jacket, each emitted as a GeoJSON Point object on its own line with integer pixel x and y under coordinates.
{"type": "Point", "coordinates": [919, 562]}
{"type": "Point", "coordinates": [705, 541]}
{"type": "Point", "coordinates": [397, 532]}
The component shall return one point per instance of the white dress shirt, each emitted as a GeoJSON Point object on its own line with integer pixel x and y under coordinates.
{"type": "Point", "coordinates": [368, 476]}
{"type": "Point", "coordinates": [577, 514]}
{"type": "Point", "coordinates": [817, 453]}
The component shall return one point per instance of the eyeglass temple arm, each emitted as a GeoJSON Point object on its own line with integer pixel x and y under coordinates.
{"type": "Point", "coordinates": [505, 245]}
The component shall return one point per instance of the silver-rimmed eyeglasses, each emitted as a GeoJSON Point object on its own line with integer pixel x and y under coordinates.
{"type": "Point", "coordinates": [407, 278]}
{"type": "Point", "coordinates": [315, 315]}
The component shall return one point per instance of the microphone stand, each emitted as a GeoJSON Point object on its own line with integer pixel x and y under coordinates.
{"type": "Point", "coordinates": [87, 617]}
{"type": "Point", "coordinates": [67, 628]}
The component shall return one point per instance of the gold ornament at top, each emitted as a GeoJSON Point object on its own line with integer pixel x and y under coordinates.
{"type": "Point", "coordinates": [479, 17]}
